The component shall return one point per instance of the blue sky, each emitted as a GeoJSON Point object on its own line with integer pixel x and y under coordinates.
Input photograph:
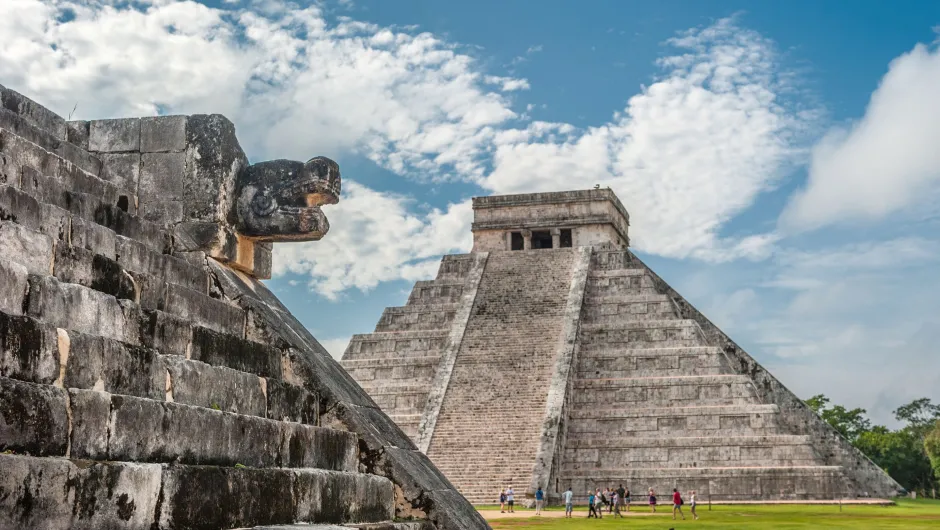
{"type": "Point", "coordinates": [779, 159]}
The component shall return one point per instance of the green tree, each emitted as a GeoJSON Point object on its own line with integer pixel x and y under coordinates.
{"type": "Point", "coordinates": [850, 423]}
{"type": "Point", "coordinates": [932, 447]}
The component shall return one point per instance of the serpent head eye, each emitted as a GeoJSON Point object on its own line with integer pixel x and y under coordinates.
{"type": "Point", "coordinates": [262, 204]}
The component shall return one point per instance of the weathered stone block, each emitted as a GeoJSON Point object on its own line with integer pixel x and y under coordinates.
{"type": "Point", "coordinates": [221, 349]}
{"type": "Point", "coordinates": [90, 415]}
{"type": "Point", "coordinates": [30, 110]}
{"type": "Point", "coordinates": [94, 237]}
{"type": "Point", "coordinates": [151, 290]}
{"type": "Point", "coordinates": [306, 446]}
{"type": "Point", "coordinates": [122, 170]}
{"type": "Point", "coordinates": [33, 418]}
{"type": "Point", "coordinates": [113, 366]}
{"type": "Point", "coordinates": [112, 136]}
{"type": "Point", "coordinates": [31, 249]}
{"type": "Point", "coordinates": [287, 402]}
{"type": "Point", "coordinates": [13, 285]}
{"type": "Point", "coordinates": [131, 226]}
{"type": "Point", "coordinates": [203, 385]}
{"type": "Point", "coordinates": [209, 497]}
{"type": "Point", "coordinates": [160, 134]}
{"type": "Point", "coordinates": [144, 430]}
{"type": "Point", "coordinates": [161, 186]}
{"type": "Point", "coordinates": [72, 306]}
{"type": "Point", "coordinates": [166, 333]}
{"type": "Point", "coordinates": [29, 350]}
{"type": "Point", "coordinates": [77, 265]}
{"type": "Point", "coordinates": [202, 310]}
{"type": "Point", "coordinates": [78, 131]}
{"type": "Point", "coordinates": [74, 497]}
{"type": "Point", "coordinates": [209, 188]}
{"type": "Point", "coordinates": [323, 496]}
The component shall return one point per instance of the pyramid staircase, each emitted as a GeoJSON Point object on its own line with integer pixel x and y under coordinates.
{"type": "Point", "coordinates": [655, 406]}
{"type": "Point", "coordinates": [142, 387]}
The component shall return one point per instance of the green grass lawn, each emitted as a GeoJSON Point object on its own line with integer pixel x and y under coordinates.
{"type": "Point", "coordinates": [906, 514]}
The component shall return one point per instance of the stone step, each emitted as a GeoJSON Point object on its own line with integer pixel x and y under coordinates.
{"type": "Point", "coordinates": [435, 292]}
{"type": "Point", "coordinates": [37, 352]}
{"type": "Point", "coordinates": [47, 420]}
{"type": "Point", "coordinates": [689, 441]}
{"type": "Point", "coordinates": [384, 525]}
{"type": "Point", "coordinates": [684, 390]}
{"type": "Point", "coordinates": [421, 343]}
{"type": "Point", "coordinates": [389, 362]}
{"type": "Point", "coordinates": [83, 494]}
{"type": "Point", "coordinates": [418, 317]}
{"type": "Point", "coordinates": [721, 484]}
{"type": "Point", "coordinates": [615, 273]}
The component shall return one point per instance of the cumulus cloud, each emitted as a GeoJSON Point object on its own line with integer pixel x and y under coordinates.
{"type": "Point", "coordinates": [854, 320]}
{"type": "Point", "coordinates": [374, 237]}
{"type": "Point", "coordinates": [687, 153]}
{"type": "Point", "coordinates": [712, 131]}
{"type": "Point", "coordinates": [885, 162]}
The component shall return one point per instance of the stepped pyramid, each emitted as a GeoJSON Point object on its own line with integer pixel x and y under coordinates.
{"type": "Point", "coordinates": [148, 379]}
{"type": "Point", "coordinates": [552, 356]}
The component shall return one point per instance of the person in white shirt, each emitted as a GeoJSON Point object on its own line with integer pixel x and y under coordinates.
{"type": "Point", "coordinates": [567, 496]}
{"type": "Point", "coordinates": [510, 499]}
{"type": "Point", "coordinates": [692, 504]}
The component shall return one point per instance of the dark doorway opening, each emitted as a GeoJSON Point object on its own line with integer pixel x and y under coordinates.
{"type": "Point", "coordinates": [565, 239]}
{"type": "Point", "coordinates": [542, 239]}
{"type": "Point", "coordinates": [516, 242]}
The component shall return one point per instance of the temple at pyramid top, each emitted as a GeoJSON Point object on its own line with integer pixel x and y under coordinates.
{"type": "Point", "coordinates": [560, 219]}
{"type": "Point", "coordinates": [551, 356]}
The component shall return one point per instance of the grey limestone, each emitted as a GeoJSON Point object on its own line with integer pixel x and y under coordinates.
{"type": "Point", "coordinates": [29, 349]}
{"type": "Point", "coordinates": [31, 249]}
{"type": "Point", "coordinates": [100, 363]}
{"type": "Point", "coordinates": [35, 113]}
{"type": "Point", "coordinates": [56, 493]}
{"type": "Point", "coordinates": [163, 134]}
{"type": "Point", "coordinates": [114, 136]}
{"type": "Point", "coordinates": [197, 383]}
{"type": "Point", "coordinates": [13, 286]}
{"type": "Point", "coordinates": [149, 379]}
{"type": "Point", "coordinates": [33, 418]}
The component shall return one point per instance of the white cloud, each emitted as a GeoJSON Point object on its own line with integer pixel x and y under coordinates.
{"type": "Point", "coordinates": [294, 85]}
{"type": "Point", "coordinates": [886, 161]}
{"type": "Point", "coordinates": [507, 84]}
{"type": "Point", "coordinates": [687, 153]}
{"type": "Point", "coordinates": [374, 237]}
{"type": "Point", "coordinates": [858, 322]}
{"type": "Point", "coordinates": [336, 347]}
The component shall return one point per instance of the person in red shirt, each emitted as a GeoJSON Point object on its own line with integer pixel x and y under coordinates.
{"type": "Point", "coordinates": [677, 504]}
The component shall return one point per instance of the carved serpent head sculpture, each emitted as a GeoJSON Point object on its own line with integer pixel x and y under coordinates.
{"type": "Point", "coordinates": [280, 200]}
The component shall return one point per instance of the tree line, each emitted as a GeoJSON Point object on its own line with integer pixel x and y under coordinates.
{"type": "Point", "coordinates": [910, 454]}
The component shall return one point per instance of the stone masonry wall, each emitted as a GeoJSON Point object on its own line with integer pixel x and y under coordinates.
{"type": "Point", "coordinates": [148, 379]}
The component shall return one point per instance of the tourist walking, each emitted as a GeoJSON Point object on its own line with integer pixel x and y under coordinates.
{"type": "Point", "coordinates": [539, 499]}
{"type": "Point", "coordinates": [598, 504]}
{"type": "Point", "coordinates": [620, 493]}
{"type": "Point", "coordinates": [592, 511]}
{"type": "Point", "coordinates": [605, 498]}
{"type": "Point", "coordinates": [615, 502]}
{"type": "Point", "coordinates": [502, 501]}
{"type": "Point", "coordinates": [626, 499]}
{"type": "Point", "coordinates": [676, 504]}
{"type": "Point", "coordinates": [510, 499]}
{"type": "Point", "coordinates": [567, 498]}
{"type": "Point", "coordinates": [692, 505]}
{"type": "Point", "coordinates": [652, 496]}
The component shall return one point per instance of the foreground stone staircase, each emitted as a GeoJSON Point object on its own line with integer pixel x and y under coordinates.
{"type": "Point", "coordinates": [654, 405]}
{"type": "Point", "coordinates": [487, 434]}
{"type": "Point", "coordinates": [147, 384]}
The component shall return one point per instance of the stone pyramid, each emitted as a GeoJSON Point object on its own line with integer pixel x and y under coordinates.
{"type": "Point", "coordinates": [148, 378]}
{"type": "Point", "coordinates": [552, 356]}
